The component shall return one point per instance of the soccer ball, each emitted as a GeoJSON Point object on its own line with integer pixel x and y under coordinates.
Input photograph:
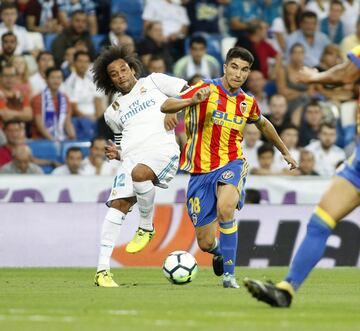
{"type": "Point", "coordinates": [180, 267]}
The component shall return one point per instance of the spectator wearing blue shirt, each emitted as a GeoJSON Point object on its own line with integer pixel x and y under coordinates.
{"type": "Point", "coordinates": [271, 9]}
{"type": "Point", "coordinates": [241, 12]}
{"type": "Point", "coordinates": [332, 25]}
{"type": "Point", "coordinates": [313, 41]}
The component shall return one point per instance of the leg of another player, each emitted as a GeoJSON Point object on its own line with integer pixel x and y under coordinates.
{"type": "Point", "coordinates": [109, 234]}
{"type": "Point", "coordinates": [338, 201]}
{"type": "Point", "coordinates": [227, 200]}
{"type": "Point", "coordinates": [143, 178]}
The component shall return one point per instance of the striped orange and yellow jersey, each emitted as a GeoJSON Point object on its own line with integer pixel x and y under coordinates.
{"type": "Point", "coordinates": [214, 127]}
{"type": "Point", "coordinates": [354, 56]}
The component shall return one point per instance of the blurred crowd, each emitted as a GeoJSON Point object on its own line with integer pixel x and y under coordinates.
{"type": "Point", "coordinates": [51, 115]}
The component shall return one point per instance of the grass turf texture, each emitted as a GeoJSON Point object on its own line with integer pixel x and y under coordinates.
{"type": "Point", "coordinates": [66, 299]}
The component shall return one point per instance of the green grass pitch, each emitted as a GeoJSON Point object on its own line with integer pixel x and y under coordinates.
{"type": "Point", "coordinates": [66, 299]}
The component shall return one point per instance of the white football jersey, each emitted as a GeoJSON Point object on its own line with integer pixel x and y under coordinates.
{"type": "Point", "coordinates": [137, 115]}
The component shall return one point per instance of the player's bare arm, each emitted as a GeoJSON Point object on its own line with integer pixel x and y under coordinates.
{"type": "Point", "coordinates": [111, 151]}
{"type": "Point", "coordinates": [173, 105]}
{"type": "Point", "coordinates": [268, 130]}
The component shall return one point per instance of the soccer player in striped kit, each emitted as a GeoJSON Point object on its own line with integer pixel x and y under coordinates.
{"type": "Point", "coordinates": [216, 112]}
{"type": "Point", "coordinates": [341, 198]}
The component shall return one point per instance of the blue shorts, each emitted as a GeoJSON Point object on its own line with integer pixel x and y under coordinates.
{"type": "Point", "coordinates": [202, 191]}
{"type": "Point", "coordinates": [351, 168]}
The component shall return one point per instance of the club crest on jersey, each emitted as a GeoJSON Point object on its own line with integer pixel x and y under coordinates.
{"type": "Point", "coordinates": [194, 218]}
{"type": "Point", "coordinates": [243, 107]}
{"type": "Point", "coordinates": [227, 175]}
{"type": "Point", "coordinates": [115, 105]}
{"type": "Point", "coordinates": [142, 90]}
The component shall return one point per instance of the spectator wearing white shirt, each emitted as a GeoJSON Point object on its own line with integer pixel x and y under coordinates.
{"type": "Point", "coordinates": [350, 16]}
{"type": "Point", "coordinates": [72, 165]}
{"type": "Point", "coordinates": [85, 100]}
{"type": "Point", "coordinates": [319, 7]}
{"type": "Point", "coordinates": [327, 155]}
{"type": "Point", "coordinates": [95, 163]}
{"type": "Point", "coordinates": [250, 145]}
{"type": "Point", "coordinates": [44, 60]}
{"type": "Point", "coordinates": [9, 15]}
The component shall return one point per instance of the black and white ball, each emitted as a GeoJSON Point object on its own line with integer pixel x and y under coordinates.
{"type": "Point", "coordinates": [180, 267]}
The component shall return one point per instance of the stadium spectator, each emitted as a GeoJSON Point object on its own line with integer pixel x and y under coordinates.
{"type": "Point", "coordinates": [320, 7]}
{"type": "Point", "coordinates": [95, 163]}
{"type": "Point", "coordinates": [352, 40]}
{"type": "Point", "coordinates": [287, 23]}
{"type": "Point", "coordinates": [8, 47]}
{"type": "Point", "coordinates": [69, 8]}
{"type": "Point", "coordinates": [156, 64]}
{"type": "Point", "coordinates": [255, 41]}
{"type": "Point", "coordinates": [265, 155]}
{"type": "Point", "coordinates": [313, 41]}
{"type": "Point", "coordinates": [52, 110]}
{"type": "Point", "coordinates": [350, 16]}
{"type": "Point", "coordinates": [67, 67]}
{"type": "Point", "coordinates": [310, 123]}
{"type": "Point", "coordinates": [14, 136]}
{"type": "Point", "coordinates": [42, 16]}
{"type": "Point", "coordinates": [21, 162]}
{"type": "Point", "coordinates": [154, 43]}
{"type": "Point", "coordinates": [205, 15]}
{"type": "Point", "coordinates": [297, 94]}
{"type": "Point", "coordinates": [290, 136]}
{"type": "Point", "coordinates": [44, 60]}
{"type": "Point", "coordinates": [117, 34]}
{"type": "Point", "coordinates": [197, 62]}
{"type": "Point", "coordinates": [14, 105]}
{"type": "Point", "coordinates": [332, 25]}
{"type": "Point", "coordinates": [306, 164]}
{"type": "Point", "coordinates": [327, 154]}
{"type": "Point", "coordinates": [278, 115]}
{"type": "Point", "coordinates": [72, 165]}
{"type": "Point", "coordinates": [75, 33]}
{"type": "Point", "coordinates": [270, 9]}
{"type": "Point", "coordinates": [8, 18]}
{"type": "Point", "coordinates": [250, 145]}
{"type": "Point", "coordinates": [85, 100]}
{"type": "Point", "coordinates": [22, 74]}
{"type": "Point", "coordinates": [241, 12]}
{"type": "Point", "coordinates": [256, 86]}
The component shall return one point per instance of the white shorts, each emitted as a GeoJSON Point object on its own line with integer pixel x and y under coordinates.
{"type": "Point", "coordinates": [164, 164]}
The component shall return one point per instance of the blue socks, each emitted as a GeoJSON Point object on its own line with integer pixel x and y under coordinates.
{"type": "Point", "coordinates": [228, 244]}
{"type": "Point", "coordinates": [312, 247]}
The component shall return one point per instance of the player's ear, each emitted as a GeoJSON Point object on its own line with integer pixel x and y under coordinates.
{"type": "Point", "coordinates": [224, 67]}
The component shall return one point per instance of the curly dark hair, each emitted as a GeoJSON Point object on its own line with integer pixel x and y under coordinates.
{"type": "Point", "coordinates": [111, 54]}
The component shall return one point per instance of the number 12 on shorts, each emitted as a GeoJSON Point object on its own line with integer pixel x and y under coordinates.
{"type": "Point", "coordinates": [194, 205]}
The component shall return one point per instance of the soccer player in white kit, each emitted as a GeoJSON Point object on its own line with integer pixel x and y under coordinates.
{"type": "Point", "coordinates": [145, 145]}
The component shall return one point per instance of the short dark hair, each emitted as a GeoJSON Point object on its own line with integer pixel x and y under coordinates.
{"type": "Point", "coordinates": [8, 34]}
{"type": "Point", "coordinates": [38, 58]}
{"type": "Point", "coordinates": [50, 70]}
{"type": "Point", "coordinates": [307, 14]}
{"type": "Point", "coordinates": [92, 142]}
{"type": "Point", "coordinates": [111, 54]}
{"type": "Point", "coordinates": [8, 5]}
{"type": "Point", "coordinates": [337, 2]}
{"type": "Point", "coordinates": [6, 65]}
{"type": "Point", "coordinates": [239, 52]}
{"type": "Point", "coordinates": [292, 48]}
{"type": "Point", "coordinates": [78, 12]}
{"type": "Point", "coordinates": [118, 15]}
{"type": "Point", "coordinates": [312, 103]}
{"type": "Point", "coordinates": [73, 149]}
{"type": "Point", "coordinates": [327, 124]}
{"type": "Point", "coordinates": [7, 123]}
{"type": "Point", "coordinates": [156, 57]}
{"type": "Point", "coordinates": [80, 53]}
{"type": "Point", "coordinates": [198, 40]}
{"type": "Point", "coordinates": [288, 127]}
{"type": "Point", "coordinates": [264, 148]}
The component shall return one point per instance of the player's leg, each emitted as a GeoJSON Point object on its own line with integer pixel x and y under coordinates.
{"type": "Point", "coordinates": [143, 177]}
{"type": "Point", "coordinates": [227, 200]}
{"type": "Point", "coordinates": [109, 234]}
{"type": "Point", "coordinates": [339, 200]}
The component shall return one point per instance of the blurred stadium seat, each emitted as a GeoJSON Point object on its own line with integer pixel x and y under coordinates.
{"type": "Point", "coordinates": [45, 149]}
{"type": "Point", "coordinates": [48, 39]}
{"type": "Point", "coordinates": [83, 145]}
{"type": "Point", "coordinates": [97, 40]}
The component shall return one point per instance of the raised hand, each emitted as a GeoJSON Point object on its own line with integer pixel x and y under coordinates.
{"type": "Point", "coordinates": [111, 151]}
{"type": "Point", "coordinates": [201, 95]}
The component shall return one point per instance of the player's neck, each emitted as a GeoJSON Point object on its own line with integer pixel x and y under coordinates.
{"type": "Point", "coordinates": [227, 85]}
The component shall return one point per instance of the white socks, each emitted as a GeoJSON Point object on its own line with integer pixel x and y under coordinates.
{"type": "Point", "coordinates": [145, 195]}
{"type": "Point", "coordinates": [109, 235]}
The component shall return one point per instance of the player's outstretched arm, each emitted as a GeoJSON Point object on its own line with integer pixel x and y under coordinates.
{"type": "Point", "coordinates": [268, 130]}
{"type": "Point", "coordinates": [111, 151]}
{"type": "Point", "coordinates": [173, 105]}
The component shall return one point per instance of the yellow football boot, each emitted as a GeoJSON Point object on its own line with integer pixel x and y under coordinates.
{"type": "Point", "coordinates": [140, 240]}
{"type": "Point", "coordinates": [104, 279]}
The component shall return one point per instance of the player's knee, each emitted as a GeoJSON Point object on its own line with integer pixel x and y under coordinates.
{"type": "Point", "coordinates": [121, 204]}
{"type": "Point", "coordinates": [205, 244]}
{"type": "Point", "coordinates": [225, 211]}
{"type": "Point", "coordinates": [138, 176]}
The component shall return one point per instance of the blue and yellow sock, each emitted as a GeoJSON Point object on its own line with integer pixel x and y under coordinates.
{"type": "Point", "coordinates": [228, 244]}
{"type": "Point", "coordinates": [216, 248]}
{"type": "Point", "coordinates": [312, 247]}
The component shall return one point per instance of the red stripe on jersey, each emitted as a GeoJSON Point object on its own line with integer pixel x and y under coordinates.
{"type": "Point", "coordinates": [200, 125]}
{"type": "Point", "coordinates": [216, 132]}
